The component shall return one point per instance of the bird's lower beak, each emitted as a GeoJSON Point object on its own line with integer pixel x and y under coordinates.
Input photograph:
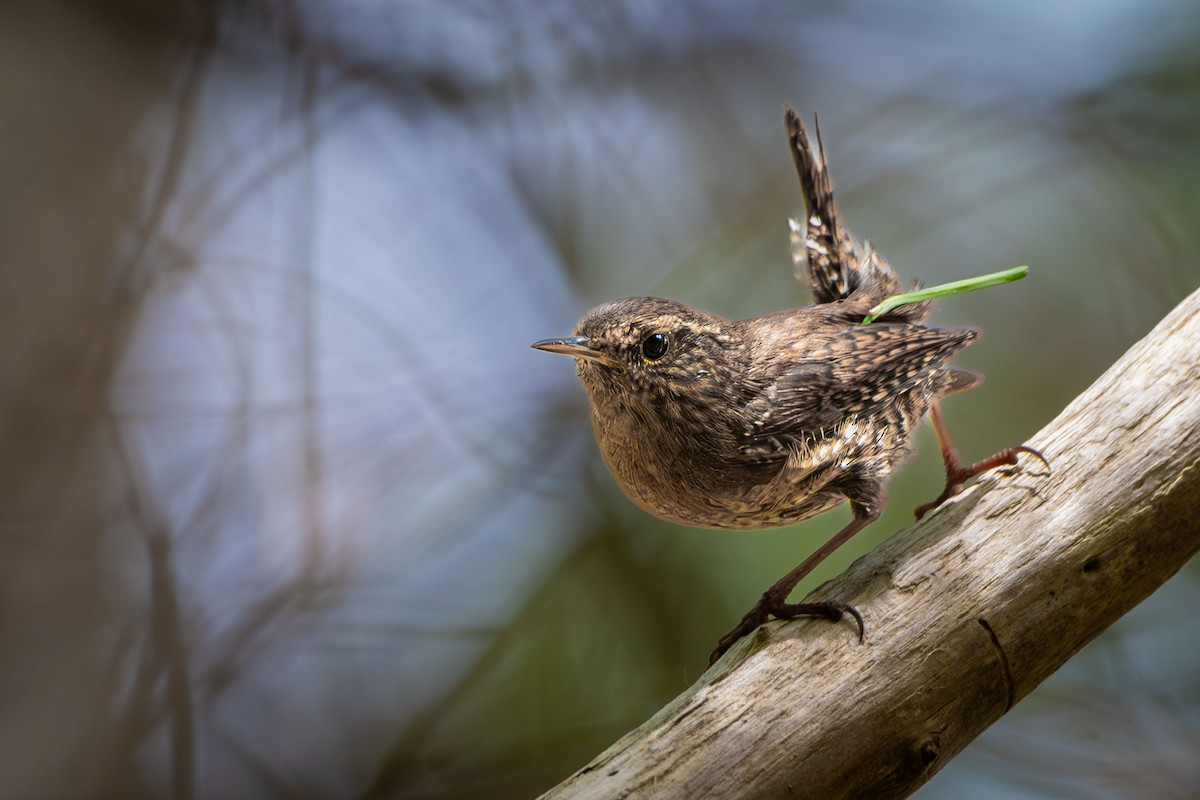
{"type": "Point", "coordinates": [577, 347]}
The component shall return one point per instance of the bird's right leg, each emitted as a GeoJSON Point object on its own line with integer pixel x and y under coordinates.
{"type": "Point", "coordinates": [774, 603]}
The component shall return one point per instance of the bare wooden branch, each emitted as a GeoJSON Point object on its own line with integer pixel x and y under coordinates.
{"type": "Point", "coordinates": [966, 612]}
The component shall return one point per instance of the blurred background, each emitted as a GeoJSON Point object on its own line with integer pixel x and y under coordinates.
{"type": "Point", "coordinates": [290, 509]}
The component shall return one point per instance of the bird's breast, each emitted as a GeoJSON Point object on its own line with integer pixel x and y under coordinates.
{"type": "Point", "coordinates": [675, 471]}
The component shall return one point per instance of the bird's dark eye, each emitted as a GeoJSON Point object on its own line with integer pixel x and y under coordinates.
{"type": "Point", "coordinates": [655, 346]}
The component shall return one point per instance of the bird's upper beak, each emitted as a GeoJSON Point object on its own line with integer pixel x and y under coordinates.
{"type": "Point", "coordinates": [578, 347]}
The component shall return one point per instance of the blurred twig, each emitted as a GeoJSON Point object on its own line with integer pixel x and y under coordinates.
{"type": "Point", "coordinates": [168, 657]}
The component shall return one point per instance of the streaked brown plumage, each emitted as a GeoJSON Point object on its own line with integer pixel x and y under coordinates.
{"type": "Point", "coordinates": [762, 422]}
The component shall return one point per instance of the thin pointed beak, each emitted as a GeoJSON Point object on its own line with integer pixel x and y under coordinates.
{"type": "Point", "coordinates": [577, 347]}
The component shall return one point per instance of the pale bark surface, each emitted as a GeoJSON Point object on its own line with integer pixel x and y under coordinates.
{"type": "Point", "coordinates": [966, 612]}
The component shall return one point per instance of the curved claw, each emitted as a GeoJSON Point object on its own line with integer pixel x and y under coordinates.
{"type": "Point", "coordinates": [1035, 453]}
{"type": "Point", "coordinates": [764, 609]}
{"type": "Point", "coordinates": [826, 610]}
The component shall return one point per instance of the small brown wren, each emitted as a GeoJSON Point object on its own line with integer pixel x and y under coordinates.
{"type": "Point", "coordinates": [762, 422]}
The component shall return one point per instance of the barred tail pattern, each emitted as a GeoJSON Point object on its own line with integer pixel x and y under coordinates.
{"type": "Point", "coordinates": [822, 248]}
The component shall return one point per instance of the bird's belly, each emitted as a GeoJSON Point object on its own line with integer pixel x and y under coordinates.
{"type": "Point", "coordinates": [699, 489]}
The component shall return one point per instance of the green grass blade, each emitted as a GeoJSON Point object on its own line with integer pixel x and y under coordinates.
{"type": "Point", "coordinates": [954, 287]}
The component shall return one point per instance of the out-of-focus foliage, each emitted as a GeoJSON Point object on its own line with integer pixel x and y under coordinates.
{"type": "Point", "coordinates": [289, 508]}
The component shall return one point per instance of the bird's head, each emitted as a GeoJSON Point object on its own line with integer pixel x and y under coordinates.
{"type": "Point", "coordinates": [646, 351]}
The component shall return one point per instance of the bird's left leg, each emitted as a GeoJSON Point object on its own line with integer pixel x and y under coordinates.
{"type": "Point", "coordinates": [956, 472]}
{"type": "Point", "coordinates": [774, 603]}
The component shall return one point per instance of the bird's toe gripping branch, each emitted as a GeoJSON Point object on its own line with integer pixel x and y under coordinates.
{"type": "Point", "coordinates": [957, 473]}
